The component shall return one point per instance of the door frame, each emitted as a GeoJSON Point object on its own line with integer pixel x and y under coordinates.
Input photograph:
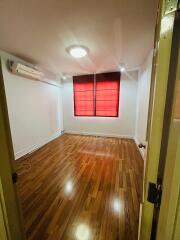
{"type": "Point", "coordinates": [11, 217]}
{"type": "Point", "coordinates": [159, 85]}
{"type": "Point", "coordinates": [170, 207]}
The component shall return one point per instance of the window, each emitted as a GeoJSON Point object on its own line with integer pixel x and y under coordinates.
{"type": "Point", "coordinates": [97, 95]}
{"type": "Point", "coordinates": [84, 95]}
{"type": "Point", "coordinates": [107, 94]}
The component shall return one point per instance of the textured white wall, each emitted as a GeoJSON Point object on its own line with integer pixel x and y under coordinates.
{"type": "Point", "coordinates": [143, 99]}
{"type": "Point", "coordinates": [123, 126]}
{"type": "Point", "coordinates": [35, 111]}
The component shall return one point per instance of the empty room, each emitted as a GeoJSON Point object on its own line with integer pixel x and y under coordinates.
{"type": "Point", "coordinates": [89, 107]}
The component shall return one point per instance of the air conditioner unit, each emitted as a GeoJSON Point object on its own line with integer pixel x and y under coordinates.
{"type": "Point", "coordinates": [24, 71]}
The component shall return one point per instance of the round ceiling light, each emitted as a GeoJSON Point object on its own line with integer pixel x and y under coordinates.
{"type": "Point", "coordinates": [78, 51]}
{"type": "Point", "coordinates": [122, 67]}
{"type": "Point", "coordinates": [63, 76]}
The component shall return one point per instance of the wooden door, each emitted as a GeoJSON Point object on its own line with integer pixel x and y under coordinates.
{"type": "Point", "coordinates": [10, 217]}
{"type": "Point", "coordinates": [169, 214]}
{"type": "Point", "coordinates": [3, 229]}
{"type": "Point", "coordinates": [159, 86]}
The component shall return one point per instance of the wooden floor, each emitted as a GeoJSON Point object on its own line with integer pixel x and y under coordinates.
{"type": "Point", "coordinates": [81, 188]}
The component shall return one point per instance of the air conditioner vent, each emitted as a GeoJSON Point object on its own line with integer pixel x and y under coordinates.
{"type": "Point", "coordinates": [24, 71]}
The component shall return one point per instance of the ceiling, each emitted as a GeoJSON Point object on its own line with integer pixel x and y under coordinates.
{"type": "Point", "coordinates": [115, 31]}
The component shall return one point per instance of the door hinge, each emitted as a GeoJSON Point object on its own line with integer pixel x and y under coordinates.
{"type": "Point", "coordinates": [14, 177]}
{"type": "Point", "coordinates": [170, 6]}
{"type": "Point", "coordinates": [154, 194]}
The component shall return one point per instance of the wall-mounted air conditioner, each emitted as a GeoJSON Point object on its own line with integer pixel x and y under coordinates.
{"type": "Point", "coordinates": [24, 71]}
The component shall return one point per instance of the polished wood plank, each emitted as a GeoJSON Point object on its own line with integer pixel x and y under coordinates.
{"type": "Point", "coordinates": [83, 188]}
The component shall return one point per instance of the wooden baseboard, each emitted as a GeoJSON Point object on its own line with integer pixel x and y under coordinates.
{"type": "Point", "coordinates": [29, 150]}
{"type": "Point", "coordinates": [99, 134]}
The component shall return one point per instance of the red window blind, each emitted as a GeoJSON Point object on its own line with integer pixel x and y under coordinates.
{"type": "Point", "coordinates": [83, 95]}
{"type": "Point", "coordinates": [97, 95]}
{"type": "Point", "coordinates": [107, 94]}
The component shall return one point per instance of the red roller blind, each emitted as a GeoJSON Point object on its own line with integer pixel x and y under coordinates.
{"type": "Point", "coordinates": [83, 95]}
{"type": "Point", "coordinates": [97, 96]}
{"type": "Point", "coordinates": [107, 94]}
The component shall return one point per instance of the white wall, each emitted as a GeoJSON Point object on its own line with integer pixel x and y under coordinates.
{"type": "Point", "coordinates": [36, 114]}
{"type": "Point", "coordinates": [35, 111]}
{"type": "Point", "coordinates": [123, 126]}
{"type": "Point", "coordinates": [143, 100]}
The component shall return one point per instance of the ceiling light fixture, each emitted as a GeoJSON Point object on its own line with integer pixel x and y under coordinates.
{"type": "Point", "coordinates": [63, 77]}
{"type": "Point", "coordinates": [78, 51]}
{"type": "Point", "coordinates": [122, 67]}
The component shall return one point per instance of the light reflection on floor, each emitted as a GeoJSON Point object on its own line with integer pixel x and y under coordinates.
{"type": "Point", "coordinates": [116, 205]}
{"type": "Point", "coordinates": [82, 232]}
{"type": "Point", "coordinates": [68, 186]}
{"type": "Point", "coordinates": [98, 153]}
